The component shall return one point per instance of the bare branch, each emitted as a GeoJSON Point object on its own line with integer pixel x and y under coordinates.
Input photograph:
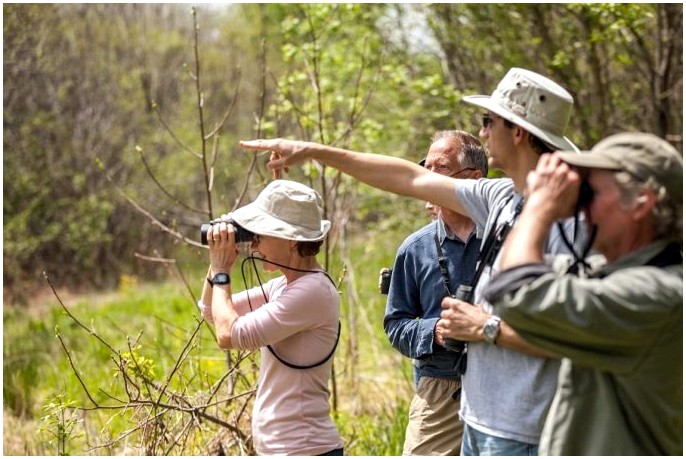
{"type": "Point", "coordinates": [152, 218]}
{"type": "Point", "coordinates": [170, 262]}
{"type": "Point", "coordinates": [162, 187]}
{"type": "Point", "coordinates": [201, 121]}
{"type": "Point", "coordinates": [228, 111]}
{"type": "Point", "coordinates": [182, 356]}
{"type": "Point", "coordinates": [77, 321]}
{"type": "Point", "coordinates": [76, 373]}
{"type": "Point", "coordinates": [258, 131]}
{"type": "Point", "coordinates": [169, 130]}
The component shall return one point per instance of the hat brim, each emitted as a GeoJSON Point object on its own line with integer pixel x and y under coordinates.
{"type": "Point", "coordinates": [487, 102]}
{"type": "Point", "coordinates": [258, 222]}
{"type": "Point", "coordinates": [588, 159]}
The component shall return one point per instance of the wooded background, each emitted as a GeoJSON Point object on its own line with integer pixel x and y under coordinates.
{"type": "Point", "coordinates": [96, 90]}
{"type": "Point", "coordinates": [121, 130]}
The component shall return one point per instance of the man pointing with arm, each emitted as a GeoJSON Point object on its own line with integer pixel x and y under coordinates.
{"type": "Point", "coordinates": [505, 393]}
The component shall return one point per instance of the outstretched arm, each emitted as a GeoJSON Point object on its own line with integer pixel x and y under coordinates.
{"type": "Point", "coordinates": [387, 173]}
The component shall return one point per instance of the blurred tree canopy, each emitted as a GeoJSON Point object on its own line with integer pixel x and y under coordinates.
{"type": "Point", "coordinates": [91, 89]}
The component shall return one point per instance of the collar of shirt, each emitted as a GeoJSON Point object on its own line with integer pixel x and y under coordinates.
{"type": "Point", "coordinates": [638, 257]}
{"type": "Point", "coordinates": [445, 232]}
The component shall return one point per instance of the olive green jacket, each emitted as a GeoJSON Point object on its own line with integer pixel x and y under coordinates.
{"type": "Point", "coordinates": [620, 335]}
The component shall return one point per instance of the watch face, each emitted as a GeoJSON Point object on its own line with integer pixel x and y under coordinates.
{"type": "Point", "coordinates": [491, 329]}
{"type": "Point", "coordinates": [221, 279]}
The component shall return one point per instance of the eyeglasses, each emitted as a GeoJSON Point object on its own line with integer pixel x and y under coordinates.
{"type": "Point", "coordinates": [487, 120]}
{"type": "Point", "coordinates": [462, 170]}
{"type": "Point", "coordinates": [444, 169]}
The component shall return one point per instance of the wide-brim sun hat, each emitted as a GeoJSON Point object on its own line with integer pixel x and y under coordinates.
{"type": "Point", "coordinates": [287, 210]}
{"type": "Point", "coordinates": [533, 102]}
{"type": "Point", "coordinates": [640, 154]}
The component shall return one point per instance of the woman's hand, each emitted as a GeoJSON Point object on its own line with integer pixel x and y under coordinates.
{"type": "Point", "coordinates": [221, 241]}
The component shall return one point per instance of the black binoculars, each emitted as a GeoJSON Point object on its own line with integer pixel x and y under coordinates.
{"type": "Point", "coordinates": [242, 234]}
{"type": "Point", "coordinates": [585, 195]}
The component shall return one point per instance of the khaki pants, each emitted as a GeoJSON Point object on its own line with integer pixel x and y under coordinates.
{"type": "Point", "coordinates": [435, 428]}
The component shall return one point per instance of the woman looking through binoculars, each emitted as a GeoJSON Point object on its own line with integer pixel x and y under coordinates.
{"type": "Point", "coordinates": [293, 319]}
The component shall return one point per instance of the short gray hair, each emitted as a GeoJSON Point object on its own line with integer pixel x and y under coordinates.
{"type": "Point", "coordinates": [470, 151]}
{"type": "Point", "coordinates": [668, 212]}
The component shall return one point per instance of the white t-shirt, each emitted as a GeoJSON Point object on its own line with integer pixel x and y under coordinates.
{"type": "Point", "coordinates": [505, 393]}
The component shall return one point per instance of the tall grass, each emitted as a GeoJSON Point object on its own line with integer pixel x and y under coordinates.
{"type": "Point", "coordinates": [373, 382]}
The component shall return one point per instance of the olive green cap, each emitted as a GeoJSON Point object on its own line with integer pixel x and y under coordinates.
{"type": "Point", "coordinates": [641, 154]}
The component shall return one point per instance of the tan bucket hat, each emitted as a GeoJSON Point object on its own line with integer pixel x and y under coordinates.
{"type": "Point", "coordinates": [287, 210]}
{"type": "Point", "coordinates": [533, 102]}
{"type": "Point", "coordinates": [640, 154]}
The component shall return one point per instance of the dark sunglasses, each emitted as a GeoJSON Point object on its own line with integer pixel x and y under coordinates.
{"type": "Point", "coordinates": [486, 120]}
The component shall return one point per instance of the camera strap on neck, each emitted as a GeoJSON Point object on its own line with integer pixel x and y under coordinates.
{"type": "Point", "coordinates": [487, 255]}
{"type": "Point", "coordinates": [580, 262]}
{"type": "Point", "coordinates": [495, 239]}
{"type": "Point", "coordinates": [269, 346]}
{"type": "Point", "coordinates": [307, 367]}
{"type": "Point", "coordinates": [442, 263]}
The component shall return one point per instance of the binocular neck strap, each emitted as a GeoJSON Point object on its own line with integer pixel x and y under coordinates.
{"type": "Point", "coordinates": [496, 236]}
{"type": "Point", "coordinates": [579, 258]}
{"type": "Point", "coordinates": [442, 262]}
{"type": "Point", "coordinates": [271, 349]}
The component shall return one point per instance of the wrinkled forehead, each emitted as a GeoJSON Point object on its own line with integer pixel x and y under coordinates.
{"type": "Point", "coordinates": [443, 153]}
{"type": "Point", "coordinates": [598, 178]}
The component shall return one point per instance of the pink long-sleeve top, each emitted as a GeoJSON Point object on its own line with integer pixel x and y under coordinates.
{"type": "Point", "coordinates": [291, 415]}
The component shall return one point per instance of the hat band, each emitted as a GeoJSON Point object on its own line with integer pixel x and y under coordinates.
{"type": "Point", "coordinates": [294, 224]}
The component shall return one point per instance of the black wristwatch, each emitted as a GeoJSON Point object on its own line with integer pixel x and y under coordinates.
{"type": "Point", "coordinates": [219, 279]}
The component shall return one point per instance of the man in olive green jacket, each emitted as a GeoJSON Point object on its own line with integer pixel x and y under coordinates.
{"type": "Point", "coordinates": [619, 331]}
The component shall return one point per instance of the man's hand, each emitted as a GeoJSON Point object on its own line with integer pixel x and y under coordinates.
{"type": "Point", "coordinates": [461, 321]}
{"type": "Point", "coordinates": [552, 189]}
{"type": "Point", "coordinates": [284, 152]}
{"type": "Point", "coordinates": [552, 193]}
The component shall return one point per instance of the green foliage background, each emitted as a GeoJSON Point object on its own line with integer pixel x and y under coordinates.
{"type": "Point", "coordinates": [91, 91]}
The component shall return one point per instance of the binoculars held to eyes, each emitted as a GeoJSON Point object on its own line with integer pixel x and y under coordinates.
{"type": "Point", "coordinates": [242, 234]}
{"type": "Point", "coordinates": [585, 195]}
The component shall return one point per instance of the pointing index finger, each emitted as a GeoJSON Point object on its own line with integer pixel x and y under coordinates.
{"type": "Point", "coordinates": [258, 144]}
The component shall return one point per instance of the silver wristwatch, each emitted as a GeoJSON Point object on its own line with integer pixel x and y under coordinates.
{"type": "Point", "coordinates": [492, 329]}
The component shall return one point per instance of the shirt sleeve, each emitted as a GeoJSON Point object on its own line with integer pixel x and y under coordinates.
{"type": "Point", "coordinates": [253, 298]}
{"type": "Point", "coordinates": [606, 323]}
{"type": "Point", "coordinates": [407, 331]}
{"type": "Point", "coordinates": [478, 198]}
